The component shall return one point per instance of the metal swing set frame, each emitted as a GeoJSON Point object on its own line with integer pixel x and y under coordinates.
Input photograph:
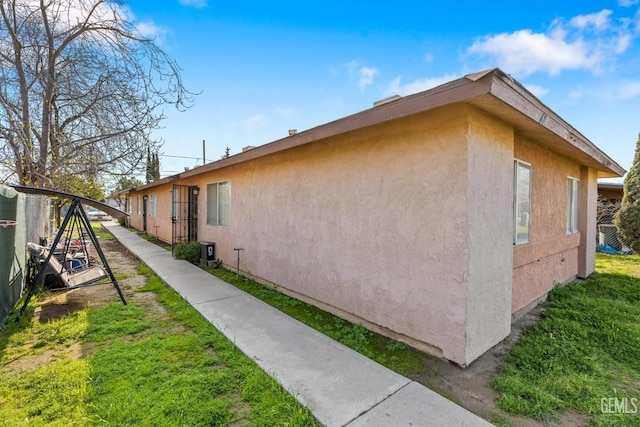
{"type": "Point", "coordinates": [82, 273]}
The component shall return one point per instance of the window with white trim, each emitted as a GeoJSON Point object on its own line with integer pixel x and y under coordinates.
{"type": "Point", "coordinates": [521, 202]}
{"type": "Point", "coordinates": [219, 203]}
{"type": "Point", "coordinates": [152, 204]}
{"type": "Point", "coordinates": [573, 194]}
{"type": "Point", "coordinates": [139, 205]}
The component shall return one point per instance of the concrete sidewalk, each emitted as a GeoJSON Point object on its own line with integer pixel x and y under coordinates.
{"type": "Point", "coordinates": [340, 386]}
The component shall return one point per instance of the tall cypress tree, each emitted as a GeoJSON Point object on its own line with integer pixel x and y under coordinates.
{"type": "Point", "coordinates": [149, 174]}
{"type": "Point", "coordinates": [156, 167]}
{"type": "Point", "coordinates": [153, 167]}
{"type": "Point", "coordinates": [627, 220]}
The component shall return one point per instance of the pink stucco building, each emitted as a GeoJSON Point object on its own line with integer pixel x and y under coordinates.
{"type": "Point", "coordinates": [433, 218]}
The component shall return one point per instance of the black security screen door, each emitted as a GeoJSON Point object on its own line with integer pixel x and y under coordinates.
{"type": "Point", "coordinates": [184, 214]}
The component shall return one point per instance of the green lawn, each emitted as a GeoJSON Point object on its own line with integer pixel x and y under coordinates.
{"type": "Point", "coordinates": [131, 366]}
{"type": "Point", "coordinates": [584, 353]}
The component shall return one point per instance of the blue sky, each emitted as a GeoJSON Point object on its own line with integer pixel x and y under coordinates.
{"type": "Point", "coordinates": [264, 68]}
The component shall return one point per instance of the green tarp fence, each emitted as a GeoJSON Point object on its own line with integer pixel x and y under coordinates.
{"type": "Point", "coordinates": [12, 248]}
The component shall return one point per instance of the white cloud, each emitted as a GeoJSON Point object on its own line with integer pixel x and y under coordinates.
{"type": "Point", "coordinates": [537, 90]}
{"type": "Point", "coordinates": [628, 90]}
{"type": "Point", "coordinates": [599, 21]}
{"type": "Point", "coordinates": [352, 66]}
{"type": "Point", "coordinates": [364, 75]}
{"type": "Point", "coordinates": [257, 120]}
{"type": "Point", "coordinates": [419, 85]}
{"type": "Point", "coordinates": [628, 3]}
{"type": "Point", "coordinates": [70, 13]}
{"type": "Point", "coordinates": [589, 42]}
{"type": "Point", "coordinates": [199, 4]}
{"type": "Point", "coordinates": [429, 58]}
{"type": "Point", "coordinates": [150, 30]}
{"type": "Point", "coordinates": [286, 112]}
{"type": "Point", "coordinates": [524, 53]}
{"type": "Point", "coordinates": [624, 42]}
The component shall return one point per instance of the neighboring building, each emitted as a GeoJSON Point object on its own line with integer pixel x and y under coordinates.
{"type": "Point", "coordinates": [432, 218]}
{"type": "Point", "coordinates": [611, 191]}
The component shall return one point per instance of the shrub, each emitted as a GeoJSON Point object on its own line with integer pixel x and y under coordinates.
{"type": "Point", "coordinates": [189, 251]}
{"type": "Point", "coordinates": [627, 220]}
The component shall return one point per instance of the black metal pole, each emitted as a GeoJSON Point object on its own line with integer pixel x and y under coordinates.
{"type": "Point", "coordinates": [94, 240]}
{"type": "Point", "coordinates": [238, 265]}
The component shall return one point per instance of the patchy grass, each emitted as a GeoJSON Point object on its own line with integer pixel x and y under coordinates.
{"type": "Point", "coordinates": [133, 367]}
{"type": "Point", "coordinates": [386, 351]}
{"type": "Point", "coordinates": [101, 232]}
{"type": "Point", "coordinates": [151, 238]}
{"type": "Point", "coordinates": [584, 353]}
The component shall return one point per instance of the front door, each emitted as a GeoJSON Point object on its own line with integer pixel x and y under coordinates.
{"type": "Point", "coordinates": [144, 213]}
{"type": "Point", "coordinates": [184, 214]}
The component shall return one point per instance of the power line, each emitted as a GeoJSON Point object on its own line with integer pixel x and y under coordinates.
{"type": "Point", "coordinates": [179, 157]}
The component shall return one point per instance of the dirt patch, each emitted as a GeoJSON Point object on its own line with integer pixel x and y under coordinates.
{"type": "Point", "coordinates": [60, 303]}
{"type": "Point", "coordinates": [470, 387]}
{"type": "Point", "coordinates": [124, 266]}
{"type": "Point", "coordinates": [75, 351]}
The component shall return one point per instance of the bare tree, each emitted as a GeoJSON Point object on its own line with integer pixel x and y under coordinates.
{"type": "Point", "coordinates": [80, 90]}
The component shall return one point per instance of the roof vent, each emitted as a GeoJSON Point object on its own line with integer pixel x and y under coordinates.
{"type": "Point", "coordinates": [247, 148]}
{"type": "Point", "coordinates": [386, 100]}
{"type": "Point", "coordinates": [293, 132]}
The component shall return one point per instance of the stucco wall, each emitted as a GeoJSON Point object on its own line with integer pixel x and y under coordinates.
{"type": "Point", "coordinates": [161, 222]}
{"type": "Point", "coordinates": [162, 218]}
{"type": "Point", "coordinates": [552, 254]}
{"type": "Point", "coordinates": [361, 222]}
{"type": "Point", "coordinates": [405, 227]}
{"type": "Point", "coordinates": [378, 226]}
{"type": "Point", "coordinates": [490, 249]}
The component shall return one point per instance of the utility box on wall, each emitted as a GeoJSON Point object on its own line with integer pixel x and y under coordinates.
{"type": "Point", "coordinates": [207, 254]}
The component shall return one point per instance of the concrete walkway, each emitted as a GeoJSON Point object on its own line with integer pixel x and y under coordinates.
{"type": "Point", "coordinates": [340, 386]}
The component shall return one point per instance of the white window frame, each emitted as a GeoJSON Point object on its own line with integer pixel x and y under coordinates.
{"type": "Point", "coordinates": [152, 204]}
{"type": "Point", "coordinates": [573, 205]}
{"type": "Point", "coordinates": [521, 221]}
{"type": "Point", "coordinates": [139, 204]}
{"type": "Point", "coordinates": [219, 209]}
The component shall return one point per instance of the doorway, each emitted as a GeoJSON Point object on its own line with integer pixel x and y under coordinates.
{"type": "Point", "coordinates": [184, 214]}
